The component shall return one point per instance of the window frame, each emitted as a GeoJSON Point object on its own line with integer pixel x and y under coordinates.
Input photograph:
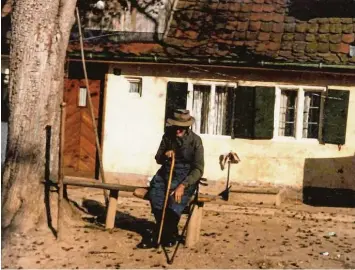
{"type": "Point", "coordinates": [212, 105]}
{"type": "Point", "coordinates": [132, 79]}
{"type": "Point", "coordinates": [301, 89]}
{"type": "Point", "coordinates": [81, 98]}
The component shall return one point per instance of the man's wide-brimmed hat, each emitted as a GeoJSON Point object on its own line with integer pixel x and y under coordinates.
{"type": "Point", "coordinates": [180, 118]}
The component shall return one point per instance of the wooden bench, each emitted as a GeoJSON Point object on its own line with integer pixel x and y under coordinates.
{"type": "Point", "coordinates": [195, 212]}
{"type": "Point", "coordinates": [195, 206]}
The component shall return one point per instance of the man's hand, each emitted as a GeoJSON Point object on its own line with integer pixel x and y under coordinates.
{"type": "Point", "coordinates": [169, 153]}
{"type": "Point", "coordinates": [179, 191]}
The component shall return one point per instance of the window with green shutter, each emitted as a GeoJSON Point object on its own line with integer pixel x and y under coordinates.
{"type": "Point", "coordinates": [264, 112]}
{"type": "Point", "coordinates": [176, 98]}
{"type": "Point", "coordinates": [254, 112]}
{"type": "Point", "coordinates": [244, 112]}
{"type": "Point", "coordinates": [335, 116]}
{"type": "Point", "coordinates": [260, 112]}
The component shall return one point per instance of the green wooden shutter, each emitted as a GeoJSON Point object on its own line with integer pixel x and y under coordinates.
{"type": "Point", "coordinates": [176, 98]}
{"type": "Point", "coordinates": [264, 112]}
{"type": "Point", "coordinates": [243, 121]}
{"type": "Point", "coordinates": [335, 116]}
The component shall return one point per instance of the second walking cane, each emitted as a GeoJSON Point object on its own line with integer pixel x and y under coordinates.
{"type": "Point", "coordinates": [166, 197]}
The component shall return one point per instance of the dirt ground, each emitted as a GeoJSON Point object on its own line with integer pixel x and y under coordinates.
{"type": "Point", "coordinates": [233, 235]}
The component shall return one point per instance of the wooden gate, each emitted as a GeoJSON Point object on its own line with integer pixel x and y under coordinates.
{"type": "Point", "coordinates": [80, 147]}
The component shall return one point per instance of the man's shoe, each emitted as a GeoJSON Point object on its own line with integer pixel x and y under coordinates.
{"type": "Point", "coordinates": [147, 244]}
{"type": "Point", "coordinates": [172, 241]}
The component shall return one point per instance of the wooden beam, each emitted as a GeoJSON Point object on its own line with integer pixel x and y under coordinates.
{"type": "Point", "coordinates": [92, 183]}
{"type": "Point", "coordinates": [255, 190]}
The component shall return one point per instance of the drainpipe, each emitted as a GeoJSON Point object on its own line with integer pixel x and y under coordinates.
{"type": "Point", "coordinates": [211, 61]}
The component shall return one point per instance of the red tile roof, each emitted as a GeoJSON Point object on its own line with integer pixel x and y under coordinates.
{"type": "Point", "coordinates": [244, 30]}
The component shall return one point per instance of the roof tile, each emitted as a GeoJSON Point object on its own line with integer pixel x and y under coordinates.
{"type": "Point", "coordinates": [257, 8]}
{"type": "Point", "coordinates": [312, 28]}
{"type": "Point", "coordinates": [261, 47]}
{"type": "Point", "coordinates": [267, 17]}
{"type": "Point", "coordinates": [335, 28]}
{"type": "Point", "coordinates": [299, 46]}
{"type": "Point", "coordinates": [311, 47]}
{"type": "Point", "coordinates": [334, 39]}
{"type": "Point", "coordinates": [347, 20]}
{"type": "Point", "coordinates": [243, 17]}
{"type": "Point", "coordinates": [310, 37]}
{"type": "Point", "coordinates": [276, 37]}
{"type": "Point", "coordinates": [274, 46]}
{"type": "Point", "coordinates": [323, 47]}
{"type": "Point", "coordinates": [242, 26]}
{"type": "Point", "coordinates": [278, 27]}
{"type": "Point", "coordinates": [323, 20]}
{"type": "Point", "coordinates": [348, 28]}
{"type": "Point", "coordinates": [300, 37]}
{"type": "Point", "coordinates": [344, 48]}
{"type": "Point", "coordinates": [289, 19]}
{"type": "Point", "coordinates": [246, 8]}
{"type": "Point", "coordinates": [268, 8]}
{"type": "Point", "coordinates": [288, 37]}
{"type": "Point", "coordinates": [252, 35]}
{"type": "Point", "coordinates": [335, 20]}
{"type": "Point", "coordinates": [278, 17]}
{"type": "Point", "coordinates": [235, 7]}
{"type": "Point", "coordinates": [240, 35]}
{"type": "Point", "coordinates": [266, 27]}
{"type": "Point", "coordinates": [264, 36]}
{"type": "Point", "coordinates": [301, 27]}
{"type": "Point", "coordinates": [254, 26]}
{"type": "Point", "coordinates": [323, 38]}
{"type": "Point", "coordinates": [290, 27]}
{"type": "Point", "coordinates": [324, 28]}
{"type": "Point", "coordinates": [255, 16]}
{"type": "Point", "coordinates": [348, 38]}
{"type": "Point", "coordinates": [286, 55]}
{"type": "Point", "coordinates": [286, 46]}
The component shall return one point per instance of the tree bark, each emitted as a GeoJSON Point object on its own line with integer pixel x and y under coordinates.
{"type": "Point", "coordinates": [40, 33]}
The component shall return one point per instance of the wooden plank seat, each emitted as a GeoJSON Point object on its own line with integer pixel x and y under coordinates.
{"type": "Point", "coordinates": [196, 206]}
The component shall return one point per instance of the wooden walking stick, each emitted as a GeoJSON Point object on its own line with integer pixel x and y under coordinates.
{"type": "Point", "coordinates": [166, 197]}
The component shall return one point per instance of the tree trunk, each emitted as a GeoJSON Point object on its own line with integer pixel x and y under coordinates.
{"type": "Point", "coordinates": [40, 33]}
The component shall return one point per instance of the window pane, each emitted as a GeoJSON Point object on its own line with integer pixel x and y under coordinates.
{"type": "Point", "coordinates": [82, 97]}
{"type": "Point", "coordinates": [200, 108]}
{"type": "Point", "coordinates": [223, 112]}
{"type": "Point", "coordinates": [134, 87]}
{"type": "Point", "coordinates": [287, 123]}
{"type": "Point", "coordinates": [311, 114]}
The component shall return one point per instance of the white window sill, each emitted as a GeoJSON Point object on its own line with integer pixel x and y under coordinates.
{"type": "Point", "coordinates": [211, 136]}
{"type": "Point", "coordinates": [293, 139]}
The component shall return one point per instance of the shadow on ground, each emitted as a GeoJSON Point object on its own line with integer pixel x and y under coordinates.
{"type": "Point", "coordinates": [123, 220]}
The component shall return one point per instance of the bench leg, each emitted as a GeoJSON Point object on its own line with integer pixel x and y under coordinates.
{"type": "Point", "coordinates": [111, 211]}
{"type": "Point", "coordinates": [194, 226]}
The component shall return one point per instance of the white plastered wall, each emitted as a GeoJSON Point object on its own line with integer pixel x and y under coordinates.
{"type": "Point", "coordinates": [134, 125]}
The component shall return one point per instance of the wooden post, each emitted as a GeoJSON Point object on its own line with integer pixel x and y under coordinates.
{"type": "Point", "coordinates": [111, 210]}
{"type": "Point", "coordinates": [194, 227]}
{"type": "Point", "coordinates": [60, 173]}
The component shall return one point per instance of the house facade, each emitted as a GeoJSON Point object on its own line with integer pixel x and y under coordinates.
{"type": "Point", "coordinates": [272, 80]}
